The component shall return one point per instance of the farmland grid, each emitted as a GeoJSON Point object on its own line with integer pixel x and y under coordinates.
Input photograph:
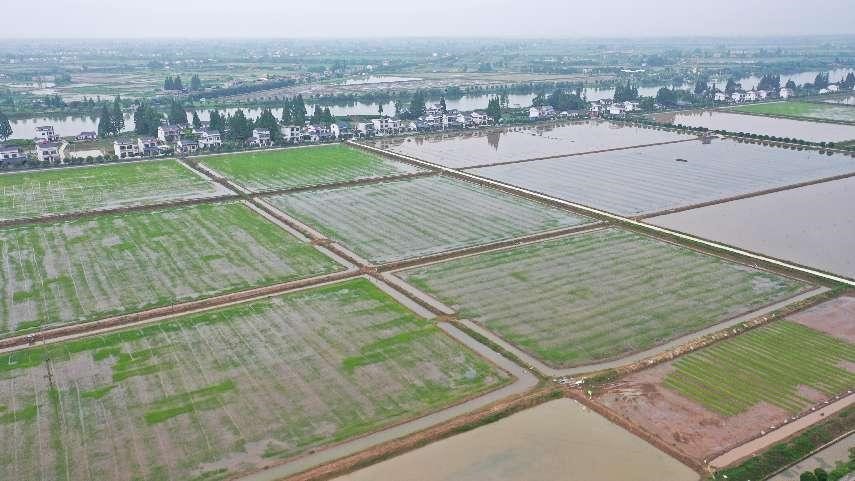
{"type": "Point", "coordinates": [231, 388]}
{"type": "Point", "coordinates": [767, 364]}
{"type": "Point", "coordinates": [523, 295]}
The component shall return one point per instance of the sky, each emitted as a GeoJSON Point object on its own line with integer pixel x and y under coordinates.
{"type": "Point", "coordinates": [404, 18]}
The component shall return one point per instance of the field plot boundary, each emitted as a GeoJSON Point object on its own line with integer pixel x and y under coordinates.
{"type": "Point", "coordinates": [590, 211]}
{"type": "Point", "coordinates": [677, 344]}
{"type": "Point", "coordinates": [523, 381]}
{"type": "Point", "coordinates": [758, 193]}
{"type": "Point", "coordinates": [576, 154]}
{"type": "Point", "coordinates": [820, 120]}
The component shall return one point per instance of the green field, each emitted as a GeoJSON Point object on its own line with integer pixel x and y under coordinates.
{"type": "Point", "coordinates": [76, 189]}
{"type": "Point", "coordinates": [397, 220]}
{"type": "Point", "coordinates": [304, 166]}
{"type": "Point", "coordinates": [593, 296]}
{"type": "Point", "coordinates": [103, 265]}
{"type": "Point", "coordinates": [211, 395]}
{"type": "Point", "coordinates": [767, 364]}
{"type": "Point", "coordinates": [808, 110]}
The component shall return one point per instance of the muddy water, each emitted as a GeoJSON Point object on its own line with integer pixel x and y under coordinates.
{"type": "Point", "coordinates": [825, 459]}
{"type": "Point", "coordinates": [559, 440]}
{"type": "Point", "coordinates": [733, 122]}
{"type": "Point", "coordinates": [812, 226]}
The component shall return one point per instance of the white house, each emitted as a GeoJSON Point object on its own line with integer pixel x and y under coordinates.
{"type": "Point", "coordinates": [48, 152]}
{"type": "Point", "coordinates": [595, 110]}
{"type": "Point", "coordinates": [544, 112]}
{"type": "Point", "coordinates": [87, 136]}
{"type": "Point", "coordinates": [737, 96]}
{"type": "Point", "coordinates": [186, 146]}
{"type": "Point", "coordinates": [750, 96]}
{"type": "Point", "coordinates": [291, 133]}
{"type": "Point", "coordinates": [477, 119]}
{"type": "Point", "coordinates": [126, 148]}
{"type": "Point", "coordinates": [45, 133]}
{"type": "Point", "coordinates": [617, 109]}
{"type": "Point", "coordinates": [365, 129]}
{"type": "Point", "coordinates": [341, 130]}
{"type": "Point", "coordinates": [785, 93]}
{"type": "Point", "coordinates": [720, 97]}
{"type": "Point", "coordinates": [386, 126]}
{"type": "Point", "coordinates": [168, 133]}
{"type": "Point", "coordinates": [261, 137]}
{"type": "Point", "coordinates": [210, 138]}
{"type": "Point", "coordinates": [147, 146]}
{"type": "Point", "coordinates": [762, 94]}
{"type": "Point", "coordinates": [833, 88]}
{"type": "Point", "coordinates": [10, 153]}
{"type": "Point", "coordinates": [824, 91]}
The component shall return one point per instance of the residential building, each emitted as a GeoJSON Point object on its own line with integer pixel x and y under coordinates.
{"type": "Point", "coordinates": [386, 126]}
{"type": "Point", "coordinates": [365, 129]}
{"type": "Point", "coordinates": [595, 110]}
{"type": "Point", "coordinates": [544, 112]}
{"type": "Point", "coordinates": [617, 109]}
{"type": "Point", "coordinates": [168, 133]}
{"type": "Point", "coordinates": [630, 106]}
{"type": "Point", "coordinates": [291, 133]}
{"type": "Point", "coordinates": [48, 152]}
{"type": "Point", "coordinates": [762, 94]}
{"type": "Point", "coordinates": [125, 148]}
{"type": "Point", "coordinates": [750, 96]}
{"type": "Point", "coordinates": [736, 97]}
{"type": "Point", "coordinates": [209, 138]}
{"type": "Point", "coordinates": [833, 88]}
{"type": "Point", "coordinates": [785, 93]}
{"type": "Point", "coordinates": [478, 119]}
{"type": "Point", "coordinates": [186, 146]}
{"type": "Point", "coordinates": [720, 97]}
{"type": "Point", "coordinates": [9, 153]}
{"type": "Point", "coordinates": [148, 146]}
{"type": "Point", "coordinates": [87, 136]}
{"type": "Point", "coordinates": [261, 137]}
{"type": "Point", "coordinates": [341, 130]}
{"type": "Point", "coordinates": [45, 133]}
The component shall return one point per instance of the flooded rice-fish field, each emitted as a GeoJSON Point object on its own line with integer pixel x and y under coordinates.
{"type": "Point", "coordinates": [558, 440]}
{"type": "Point", "coordinates": [777, 127]}
{"type": "Point", "coordinates": [813, 226]}
{"type": "Point", "coordinates": [519, 143]}
{"type": "Point", "coordinates": [663, 177]}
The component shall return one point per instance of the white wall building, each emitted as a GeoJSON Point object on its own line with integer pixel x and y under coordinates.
{"type": "Point", "coordinates": [125, 148]}
{"type": "Point", "coordinates": [48, 152]}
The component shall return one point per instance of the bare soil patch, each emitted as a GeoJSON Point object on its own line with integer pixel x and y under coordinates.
{"type": "Point", "coordinates": [835, 317]}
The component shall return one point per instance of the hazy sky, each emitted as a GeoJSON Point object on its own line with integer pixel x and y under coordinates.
{"type": "Point", "coordinates": [383, 18]}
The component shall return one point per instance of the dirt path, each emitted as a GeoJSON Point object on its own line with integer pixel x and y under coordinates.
{"type": "Point", "coordinates": [782, 433]}
{"type": "Point", "coordinates": [639, 356]}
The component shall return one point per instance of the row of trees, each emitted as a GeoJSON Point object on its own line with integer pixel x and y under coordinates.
{"type": "Point", "coordinates": [111, 120]}
{"type": "Point", "coordinates": [5, 127]}
{"type": "Point", "coordinates": [174, 83]}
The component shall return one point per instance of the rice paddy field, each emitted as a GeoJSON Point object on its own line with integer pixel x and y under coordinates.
{"type": "Point", "coordinates": [519, 143]}
{"type": "Point", "coordinates": [769, 365]}
{"type": "Point", "coordinates": [77, 189]}
{"type": "Point", "coordinates": [783, 128]}
{"type": "Point", "coordinates": [98, 266]}
{"type": "Point", "coordinates": [304, 166]}
{"type": "Point", "coordinates": [597, 295]}
{"type": "Point", "coordinates": [795, 108]}
{"type": "Point", "coordinates": [211, 395]}
{"type": "Point", "coordinates": [397, 220]}
{"type": "Point", "coordinates": [653, 179]}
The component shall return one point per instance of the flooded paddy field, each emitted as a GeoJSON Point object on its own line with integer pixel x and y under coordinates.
{"type": "Point", "coordinates": [597, 295]}
{"type": "Point", "coordinates": [658, 178]}
{"type": "Point", "coordinates": [719, 397]}
{"type": "Point", "coordinates": [216, 394]}
{"type": "Point", "coordinates": [76, 189]}
{"type": "Point", "coordinates": [844, 100]}
{"type": "Point", "coordinates": [558, 440]}
{"type": "Point", "coordinates": [519, 143]}
{"type": "Point", "coordinates": [396, 220]}
{"type": "Point", "coordinates": [795, 108]}
{"type": "Point", "coordinates": [783, 128]}
{"type": "Point", "coordinates": [304, 166]}
{"type": "Point", "coordinates": [813, 225]}
{"type": "Point", "coordinates": [94, 267]}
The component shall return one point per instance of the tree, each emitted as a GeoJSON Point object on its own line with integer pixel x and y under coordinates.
{"type": "Point", "coordinates": [328, 116]}
{"type": "Point", "coordinates": [561, 100]}
{"type": "Point", "coordinates": [177, 115]}
{"type": "Point", "coordinates": [217, 122]}
{"type": "Point", "coordinates": [105, 123]}
{"type": "Point", "coordinates": [197, 122]}
{"type": "Point", "coordinates": [791, 84]}
{"type": "Point", "coordinates": [240, 128]}
{"type": "Point", "coordinates": [146, 119]}
{"type": "Point", "coordinates": [730, 87]}
{"type": "Point", "coordinates": [821, 80]}
{"type": "Point", "coordinates": [700, 87]}
{"type": "Point", "coordinates": [116, 116]}
{"type": "Point", "coordinates": [417, 105]}
{"type": "Point", "coordinates": [380, 109]}
{"type": "Point", "coordinates": [539, 100]}
{"type": "Point", "coordinates": [298, 110]}
{"type": "Point", "coordinates": [624, 92]}
{"type": "Point", "coordinates": [318, 114]}
{"type": "Point", "coordinates": [399, 108]}
{"type": "Point", "coordinates": [286, 113]}
{"type": "Point", "coordinates": [168, 84]}
{"type": "Point", "coordinates": [176, 83]}
{"type": "Point", "coordinates": [666, 97]}
{"type": "Point", "coordinates": [494, 109]}
{"type": "Point", "coordinates": [807, 476]}
{"type": "Point", "coordinates": [195, 83]}
{"type": "Point", "coordinates": [5, 127]}
{"type": "Point", "coordinates": [267, 121]}
{"type": "Point", "coordinates": [821, 474]}
{"type": "Point", "coordinates": [769, 82]}
{"type": "Point", "coordinates": [849, 82]}
{"type": "Point", "coordinates": [442, 105]}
